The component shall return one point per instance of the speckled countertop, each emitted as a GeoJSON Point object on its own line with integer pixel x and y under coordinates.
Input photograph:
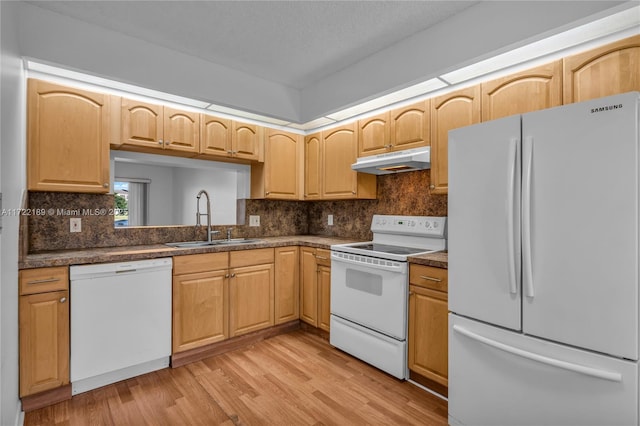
{"type": "Point", "coordinates": [438, 259]}
{"type": "Point", "coordinates": [129, 253]}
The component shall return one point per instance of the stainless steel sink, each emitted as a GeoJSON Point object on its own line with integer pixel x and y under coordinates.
{"type": "Point", "coordinates": [237, 241]}
{"type": "Point", "coordinates": [187, 244]}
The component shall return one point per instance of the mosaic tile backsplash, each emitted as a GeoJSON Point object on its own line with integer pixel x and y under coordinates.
{"type": "Point", "coordinates": [403, 194]}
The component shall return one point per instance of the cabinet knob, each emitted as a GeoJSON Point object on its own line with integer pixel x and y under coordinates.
{"type": "Point", "coordinates": [432, 186]}
{"type": "Point", "coordinates": [233, 275]}
{"type": "Point", "coordinates": [267, 193]}
{"type": "Point", "coordinates": [63, 299]}
{"type": "Point", "coordinates": [105, 185]}
{"type": "Point", "coordinates": [160, 142]}
{"type": "Point", "coordinates": [353, 192]}
{"type": "Point", "coordinates": [226, 276]}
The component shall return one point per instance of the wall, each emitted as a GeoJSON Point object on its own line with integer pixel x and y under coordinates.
{"type": "Point", "coordinates": [221, 187]}
{"type": "Point", "coordinates": [12, 183]}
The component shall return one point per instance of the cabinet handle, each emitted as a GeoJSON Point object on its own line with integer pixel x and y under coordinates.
{"type": "Point", "coordinates": [63, 299]}
{"type": "Point", "coordinates": [353, 192]}
{"type": "Point", "coordinates": [226, 276]}
{"type": "Point", "coordinates": [267, 193]}
{"type": "Point", "coordinates": [411, 293]}
{"type": "Point", "coordinates": [43, 281]}
{"type": "Point", "coordinates": [233, 275]}
{"type": "Point", "coordinates": [230, 152]}
{"type": "Point", "coordinates": [160, 142]}
{"type": "Point", "coordinates": [431, 278]}
{"type": "Point", "coordinates": [105, 185]}
{"type": "Point", "coordinates": [432, 186]}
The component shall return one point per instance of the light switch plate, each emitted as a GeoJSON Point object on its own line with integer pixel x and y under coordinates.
{"type": "Point", "coordinates": [75, 224]}
{"type": "Point", "coordinates": [254, 220]}
{"type": "Point", "coordinates": [330, 220]}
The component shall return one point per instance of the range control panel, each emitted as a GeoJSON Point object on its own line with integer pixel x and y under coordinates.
{"type": "Point", "coordinates": [432, 226]}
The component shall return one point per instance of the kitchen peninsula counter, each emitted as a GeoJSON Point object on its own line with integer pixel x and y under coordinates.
{"type": "Point", "coordinates": [130, 253]}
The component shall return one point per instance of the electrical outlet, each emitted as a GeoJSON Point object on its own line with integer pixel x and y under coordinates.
{"type": "Point", "coordinates": [75, 224]}
{"type": "Point", "coordinates": [254, 220]}
{"type": "Point", "coordinates": [330, 220]}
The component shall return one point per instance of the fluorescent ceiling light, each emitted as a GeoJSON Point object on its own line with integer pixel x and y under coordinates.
{"type": "Point", "coordinates": [309, 125]}
{"type": "Point", "coordinates": [625, 20]}
{"type": "Point", "coordinates": [244, 114]}
{"type": "Point", "coordinates": [389, 100]}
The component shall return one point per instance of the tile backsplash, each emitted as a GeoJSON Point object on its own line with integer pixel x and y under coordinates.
{"type": "Point", "coordinates": [402, 194]}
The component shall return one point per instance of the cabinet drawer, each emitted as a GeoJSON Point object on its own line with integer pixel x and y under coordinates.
{"type": "Point", "coordinates": [429, 277]}
{"type": "Point", "coordinates": [42, 280]}
{"type": "Point", "coordinates": [323, 257]}
{"type": "Point", "coordinates": [193, 263]}
{"type": "Point", "coordinates": [251, 257]}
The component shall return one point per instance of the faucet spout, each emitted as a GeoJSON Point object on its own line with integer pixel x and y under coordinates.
{"type": "Point", "coordinates": [208, 213]}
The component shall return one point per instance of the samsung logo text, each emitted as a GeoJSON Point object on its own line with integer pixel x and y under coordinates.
{"type": "Point", "coordinates": [606, 108]}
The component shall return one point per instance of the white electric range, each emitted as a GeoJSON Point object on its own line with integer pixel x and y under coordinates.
{"type": "Point", "coordinates": [370, 288]}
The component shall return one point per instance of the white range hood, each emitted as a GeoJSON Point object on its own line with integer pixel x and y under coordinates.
{"type": "Point", "coordinates": [395, 162]}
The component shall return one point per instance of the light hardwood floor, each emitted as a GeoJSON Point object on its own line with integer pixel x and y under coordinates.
{"type": "Point", "coordinates": [291, 379]}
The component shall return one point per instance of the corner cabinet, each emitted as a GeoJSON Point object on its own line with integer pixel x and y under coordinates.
{"type": "Point", "coordinates": [428, 327]}
{"type": "Point", "coordinates": [286, 287]}
{"type": "Point", "coordinates": [279, 177]}
{"type": "Point", "coordinates": [328, 157]}
{"type": "Point", "coordinates": [603, 71]}
{"type": "Point", "coordinates": [44, 329]}
{"type": "Point", "coordinates": [315, 287]}
{"type": "Point", "coordinates": [68, 136]}
{"type": "Point", "coordinates": [451, 111]}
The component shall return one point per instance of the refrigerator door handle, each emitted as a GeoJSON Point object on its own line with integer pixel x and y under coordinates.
{"type": "Point", "coordinates": [511, 211]}
{"type": "Point", "coordinates": [577, 368]}
{"type": "Point", "coordinates": [527, 273]}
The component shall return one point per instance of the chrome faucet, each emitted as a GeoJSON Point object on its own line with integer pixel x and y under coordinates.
{"type": "Point", "coordinates": [208, 214]}
{"type": "Point", "coordinates": [229, 233]}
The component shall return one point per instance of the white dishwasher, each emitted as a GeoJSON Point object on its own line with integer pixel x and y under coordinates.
{"type": "Point", "coordinates": [120, 321]}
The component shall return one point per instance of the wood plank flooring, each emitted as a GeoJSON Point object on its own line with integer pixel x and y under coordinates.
{"type": "Point", "coordinates": [291, 379]}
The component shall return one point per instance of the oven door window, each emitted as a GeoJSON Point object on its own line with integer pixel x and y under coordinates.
{"type": "Point", "coordinates": [364, 281]}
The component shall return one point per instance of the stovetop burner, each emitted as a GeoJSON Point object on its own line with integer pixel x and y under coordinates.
{"type": "Point", "coordinates": [385, 248]}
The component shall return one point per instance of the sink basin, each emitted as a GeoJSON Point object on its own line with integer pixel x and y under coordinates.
{"type": "Point", "coordinates": [187, 244]}
{"type": "Point", "coordinates": [237, 241]}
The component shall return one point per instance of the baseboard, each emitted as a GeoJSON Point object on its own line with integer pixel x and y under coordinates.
{"type": "Point", "coordinates": [46, 398]}
{"type": "Point", "coordinates": [314, 330]}
{"type": "Point", "coordinates": [431, 385]}
{"type": "Point", "coordinates": [182, 358]}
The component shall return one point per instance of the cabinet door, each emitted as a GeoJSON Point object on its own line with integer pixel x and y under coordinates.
{"type": "Point", "coordinates": [410, 126]}
{"type": "Point", "coordinates": [281, 165]}
{"type": "Point", "coordinates": [374, 135]}
{"type": "Point", "coordinates": [308, 286]}
{"type": "Point", "coordinates": [215, 136]}
{"type": "Point", "coordinates": [286, 286]}
{"type": "Point", "coordinates": [181, 130]}
{"type": "Point", "coordinates": [251, 299]}
{"type": "Point", "coordinates": [324, 297]}
{"type": "Point", "coordinates": [200, 309]}
{"type": "Point", "coordinates": [142, 124]}
{"type": "Point", "coordinates": [312, 167]}
{"type": "Point", "coordinates": [456, 109]}
{"type": "Point", "coordinates": [44, 341]}
{"type": "Point", "coordinates": [428, 334]}
{"type": "Point", "coordinates": [246, 140]}
{"type": "Point", "coordinates": [604, 71]}
{"type": "Point", "coordinates": [339, 147]}
{"type": "Point", "coordinates": [68, 136]}
{"type": "Point", "coordinates": [531, 90]}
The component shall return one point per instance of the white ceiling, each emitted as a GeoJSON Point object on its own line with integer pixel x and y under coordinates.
{"type": "Point", "coordinates": [295, 43]}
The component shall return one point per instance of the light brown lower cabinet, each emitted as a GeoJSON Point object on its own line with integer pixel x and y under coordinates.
{"type": "Point", "coordinates": [251, 299]}
{"type": "Point", "coordinates": [315, 287]}
{"type": "Point", "coordinates": [428, 324]}
{"type": "Point", "coordinates": [286, 285]}
{"type": "Point", "coordinates": [44, 329]}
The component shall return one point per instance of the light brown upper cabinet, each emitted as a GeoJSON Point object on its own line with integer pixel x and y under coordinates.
{"type": "Point", "coordinates": [146, 125]}
{"type": "Point", "coordinates": [246, 140]}
{"type": "Point", "coordinates": [338, 153]}
{"type": "Point", "coordinates": [312, 166]}
{"type": "Point", "coordinates": [603, 71]}
{"type": "Point", "coordinates": [279, 177]}
{"type": "Point", "coordinates": [451, 111]}
{"type": "Point", "coordinates": [221, 137]}
{"type": "Point", "coordinates": [396, 130]}
{"type": "Point", "coordinates": [531, 90]}
{"type": "Point", "coordinates": [68, 134]}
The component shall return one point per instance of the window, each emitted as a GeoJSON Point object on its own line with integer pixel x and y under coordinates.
{"type": "Point", "coordinates": [131, 201]}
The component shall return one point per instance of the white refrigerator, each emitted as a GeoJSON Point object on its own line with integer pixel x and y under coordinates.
{"type": "Point", "coordinates": [544, 267]}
